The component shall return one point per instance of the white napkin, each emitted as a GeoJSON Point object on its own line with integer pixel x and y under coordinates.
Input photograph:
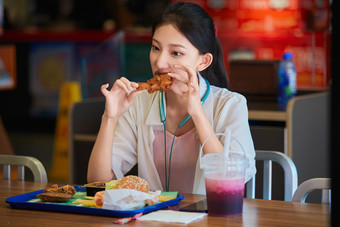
{"type": "Point", "coordinates": [128, 199]}
{"type": "Point", "coordinates": [172, 216]}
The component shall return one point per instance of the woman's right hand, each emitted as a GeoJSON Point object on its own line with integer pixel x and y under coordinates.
{"type": "Point", "coordinates": [120, 97]}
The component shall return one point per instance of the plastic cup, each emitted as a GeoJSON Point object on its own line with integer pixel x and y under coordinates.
{"type": "Point", "coordinates": [224, 182]}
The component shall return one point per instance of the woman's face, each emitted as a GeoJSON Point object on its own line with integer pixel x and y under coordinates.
{"type": "Point", "coordinates": [170, 48]}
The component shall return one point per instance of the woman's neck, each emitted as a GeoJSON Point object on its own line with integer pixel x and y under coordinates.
{"type": "Point", "coordinates": [176, 111]}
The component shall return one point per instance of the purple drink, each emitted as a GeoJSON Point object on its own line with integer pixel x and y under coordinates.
{"type": "Point", "coordinates": [224, 196]}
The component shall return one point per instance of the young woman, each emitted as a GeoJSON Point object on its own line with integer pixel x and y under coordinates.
{"type": "Point", "coordinates": [163, 131]}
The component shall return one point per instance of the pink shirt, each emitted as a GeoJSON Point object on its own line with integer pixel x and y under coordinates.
{"type": "Point", "coordinates": [183, 160]}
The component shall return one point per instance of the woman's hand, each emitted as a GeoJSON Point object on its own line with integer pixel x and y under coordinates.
{"type": "Point", "coordinates": [120, 97]}
{"type": "Point", "coordinates": [190, 88]}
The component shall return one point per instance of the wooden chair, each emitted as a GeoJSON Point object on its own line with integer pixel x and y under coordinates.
{"type": "Point", "coordinates": [33, 164]}
{"type": "Point", "coordinates": [310, 185]}
{"type": "Point", "coordinates": [290, 175]}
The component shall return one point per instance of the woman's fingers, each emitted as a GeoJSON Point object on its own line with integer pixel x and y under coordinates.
{"type": "Point", "coordinates": [134, 84]}
{"type": "Point", "coordinates": [133, 94]}
{"type": "Point", "coordinates": [104, 90]}
{"type": "Point", "coordinates": [126, 85]}
{"type": "Point", "coordinates": [191, 79]}
{"type": "Point", "coordinates": [188, 74]}
{"type": "Point", "coordinates": [182, 75]}
{"type": "Point", "coordinates": [192, 74]}
{"type": "Point", "coordinates": [194, 86]}
{"type": "Point", "coordinates": [121, 83]}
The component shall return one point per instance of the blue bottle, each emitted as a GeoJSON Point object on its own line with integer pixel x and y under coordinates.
{"type": "Point", "coordinates": [286, 79]}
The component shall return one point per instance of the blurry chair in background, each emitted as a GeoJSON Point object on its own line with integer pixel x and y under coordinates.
{"type": "Point", "coordinates": [290, 175]}
{"type": "Point", "coordinates": [33, 164]}
{"type": "Point", "coordinates": [308, 136]}
{"type": "Point", "coordinates": [84, 122]}
{"type": "Point", "coordinates": [310, 185]}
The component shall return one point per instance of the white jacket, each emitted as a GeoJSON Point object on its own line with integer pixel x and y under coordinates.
{"type": "Point", "coordinates": [133, 141]}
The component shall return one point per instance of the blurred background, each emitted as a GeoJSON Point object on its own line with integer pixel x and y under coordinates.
{"type": "Point", "coordinates": [46, 43]}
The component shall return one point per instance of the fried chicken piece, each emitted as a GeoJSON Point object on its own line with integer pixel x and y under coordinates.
{"type": "Point", "coordinates": [67, 189]}
{"type": "Point", "coordinates": [57, 194]}
{"type": "Point", "coordinates": [157, 83]}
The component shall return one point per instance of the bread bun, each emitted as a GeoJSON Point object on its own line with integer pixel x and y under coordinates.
{"type": "Point", "coordinates": [134, 182]}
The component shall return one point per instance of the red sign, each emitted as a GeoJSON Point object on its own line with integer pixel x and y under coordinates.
{"type": "Point", "coordinates": [264, 29]}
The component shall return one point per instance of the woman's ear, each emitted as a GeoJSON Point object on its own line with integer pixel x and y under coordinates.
{"type": "Point", "coordinates": [205, 61]}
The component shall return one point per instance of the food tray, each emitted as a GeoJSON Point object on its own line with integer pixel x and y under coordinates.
{"type": "Point", "coordinates": [21, 202]}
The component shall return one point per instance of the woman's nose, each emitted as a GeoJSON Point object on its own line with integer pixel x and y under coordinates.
{"type": "Point", "coordinates": [162, 61]}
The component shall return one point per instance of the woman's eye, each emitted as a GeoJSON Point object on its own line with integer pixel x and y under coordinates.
{"type": "Point", "coordinates": [176, 53]}
{"type": "Point", "coordinates": [153, 47]}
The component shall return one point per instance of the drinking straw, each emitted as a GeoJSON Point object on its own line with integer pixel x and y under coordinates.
{"type": "Point", "coordinates": [227, 142]}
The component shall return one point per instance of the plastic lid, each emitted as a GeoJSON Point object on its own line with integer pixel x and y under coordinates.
{"type": "Point", "coordinates": [287, 56]}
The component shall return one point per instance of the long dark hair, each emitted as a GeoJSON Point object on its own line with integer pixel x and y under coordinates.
{"type": "Point", "coordinates": [198, 27]}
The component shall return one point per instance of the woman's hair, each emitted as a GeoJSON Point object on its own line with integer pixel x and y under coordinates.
{"type": "Point", "coordinates": [198, 27]}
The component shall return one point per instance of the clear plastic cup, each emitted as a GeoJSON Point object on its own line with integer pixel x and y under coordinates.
{"type": "Point", "coordinates": [224, 182]}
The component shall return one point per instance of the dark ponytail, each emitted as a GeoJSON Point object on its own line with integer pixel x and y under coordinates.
{"type": "Point", "coordinates": [198, 27]}
{"type": "Point", "coordinates": [218, 76]}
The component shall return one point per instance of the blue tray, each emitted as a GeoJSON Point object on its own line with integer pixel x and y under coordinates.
{"type": "Point", "coordinates": [21, 201]}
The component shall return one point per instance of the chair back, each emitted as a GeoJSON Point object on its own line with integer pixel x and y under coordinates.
{"type": "Point", "coordinates": [84, 122]}
{"type": "Point", "coordinates": [33, 164]}
{"type": "Point", "coordinates": [290, 175]}
{"type": "Point", "coordinates": [308, 133]}
{"type": "Point", "coordinates": [310, 185]}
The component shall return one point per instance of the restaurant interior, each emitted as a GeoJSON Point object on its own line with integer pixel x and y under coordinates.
{"type": "Point", "coordinates": [57, 53]}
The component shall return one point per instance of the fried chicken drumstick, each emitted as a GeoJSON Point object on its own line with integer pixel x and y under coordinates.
{"type": "Point", "coordinates": [157, 83]}
{"type": "Point", "coordinates": [57, 194]}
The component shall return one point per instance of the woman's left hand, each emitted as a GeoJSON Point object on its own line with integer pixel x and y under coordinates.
{"type": "Point", "coordinates": [191, 96]}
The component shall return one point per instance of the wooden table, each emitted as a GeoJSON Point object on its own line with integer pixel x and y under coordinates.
{"type": "Point", "coordinates": [256, 212]}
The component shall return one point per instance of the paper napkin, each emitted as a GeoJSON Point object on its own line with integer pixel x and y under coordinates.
{"type": "Point", "coordinates": [172, 216]}
{"type": "Point", "coordinates": [128, 199]}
